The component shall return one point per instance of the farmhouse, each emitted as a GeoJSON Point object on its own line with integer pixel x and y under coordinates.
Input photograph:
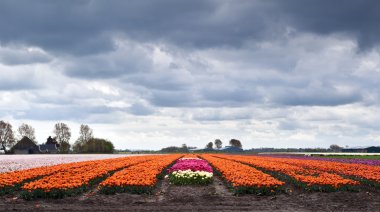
{"type": "Point", "coordinates": [25, 146]}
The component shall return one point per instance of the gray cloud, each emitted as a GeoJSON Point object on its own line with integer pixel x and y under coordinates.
{"type": "Point", "coordinates": [355, 18]}
{"type": "Point", "coordinates": [127, 60]}
{"type": "Point", "coordinates": [141, 109]}
{"type": "Point", "coordinates": [253, 68]}
{"type": "Point", "coordinates": [87, 27]}
{"type": "Point", "coordinates": [10, 56]}
{"type": "Point", "coordinates": [62, 113]}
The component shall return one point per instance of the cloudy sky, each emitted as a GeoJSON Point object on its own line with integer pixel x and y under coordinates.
{"type": "Point", "coordinates": [149, 74]}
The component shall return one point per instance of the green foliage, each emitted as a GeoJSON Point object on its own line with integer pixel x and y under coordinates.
{"type": "Point", "coordinates": [94, 145]}
{"type": "Point", "coordinates": [7, 138]}
{"type": "Point", "coordinates": [189, 179]}
{"type": "Point", "coordinates": [210, 145]}
{"type": "Point", "coordinates": [174, 149]}
{"type": "Point", "coordinates": [235, 143]}
{"type": "Point", "coordinates": [218, 143]}
{"type": "Point", "coordinates": [64, 147]}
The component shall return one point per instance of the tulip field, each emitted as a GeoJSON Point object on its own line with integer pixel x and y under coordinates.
{"type": "Point", "coordinates": [238, 174]}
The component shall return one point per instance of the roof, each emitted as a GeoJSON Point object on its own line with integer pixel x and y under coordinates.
{"type": "Point", "coordinates": [25, 143]}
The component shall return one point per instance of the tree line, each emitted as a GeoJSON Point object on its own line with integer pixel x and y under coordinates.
{"type": "Point", "coordinates": [218, 144]}
{"type": "Point", "coordinates": [86, 142]}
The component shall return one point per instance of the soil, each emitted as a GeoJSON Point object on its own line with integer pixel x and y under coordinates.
{"type": "Point", "coordinates": [215, 197]}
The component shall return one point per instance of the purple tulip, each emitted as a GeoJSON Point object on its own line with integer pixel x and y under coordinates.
{"type": "Point", "coordinates": [340, 160]}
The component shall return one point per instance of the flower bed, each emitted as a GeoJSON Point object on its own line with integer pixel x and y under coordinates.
{"type": "Point", "coordinates": [74, 180]}
{"type": "Point", "coordinates": [367, 174]}
{"type": "Point", "coordinates": [371, 162]}
{"type": "Point", "coordinates": [11, 181]}
{"type": "Point", "coordinates": [140, 178]}
{"type": "Point", "coordinates": [190, 171]}
{"type": "Point", "coordinates": [311, 179]}
{"type": "Point", "coordinates": [243, 178]}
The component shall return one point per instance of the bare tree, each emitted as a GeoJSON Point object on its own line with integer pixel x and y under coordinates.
{"type": "Point", "coordinates": [26, 130]}
{"type": "Point", "coordinates": [63, 135]}
{"type": "Point", "coordinates": [235, 143]}
{"type": "Point", "coordinates": [85, 133]}
{"type": "Point", "coordinates": [6, 136]}
{"type": "Point", "coordinates": [218, 143]}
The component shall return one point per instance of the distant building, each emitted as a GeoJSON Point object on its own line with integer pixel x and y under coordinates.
{"type": "Point", "coordinates": [25, 146]}
{"type": "Point", "coordinates": [231, 149]}
{"type": "Point", "coordinates": [48, 148]}
{"type": "Point", "coordinates": [371, 149]}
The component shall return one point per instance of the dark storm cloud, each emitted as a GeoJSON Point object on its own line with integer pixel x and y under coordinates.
{"type": "Point", "coordinates": [112, 65]}
{"type": "Point", "coordinates": [84, 37]}
{"type": "Point", "coordinates": [357, 18]}
{"type": "Point", "coordinates": [86, 27]}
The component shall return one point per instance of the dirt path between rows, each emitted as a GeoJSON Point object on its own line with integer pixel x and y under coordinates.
{"type": "Point", "coordinates": [214, 197]}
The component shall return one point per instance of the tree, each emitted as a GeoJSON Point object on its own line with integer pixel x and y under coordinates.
{"type": "Point", "coordinates": [235, 143]}
{"type": "Point", "coordinates": [85, 134]}
{"type": "Point", "coordinates": [63, 135]}
{"type": "Point", "coordinates": [6, 136]}
{"type": "Point", "coordinates": [335, 148]}
{"type": "Point", "coordinates": [184, 148]}
{"type": "Point", "coordinates": [171, 149]}
{"type": "Point", "coordinates": [97, 145]}
{"type": "Point", "coordinates": [26, 130]}
{"type": "Point", "coordinates": [209, 145]}
{"type": "Point", "coordinates": [218, 143]}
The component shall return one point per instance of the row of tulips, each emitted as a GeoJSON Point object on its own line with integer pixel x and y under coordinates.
{"type": "Point", "coordinates": [242, 178]}
{"type": "Point", "coordinates": [140, 178]}
{"type": "Point", "coordinates": [365, 173]}
{"type": "Point", "coordinates": [372, 162]}
{"type": "Point", "coordinates": [11, 181]}
{"type": "Point", "coordinates": [77, 179]}
{"type": "Point", "coordinates": [190, 171]}
{"type": "Point", "coordinates": [310, 179]}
